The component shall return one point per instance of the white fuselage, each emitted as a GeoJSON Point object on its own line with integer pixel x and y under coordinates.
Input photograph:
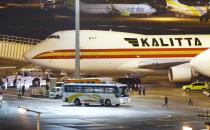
{"type": "Point", "coordinates": [122, 8]}
{"type": "Point", "coordinates": [115, 52]}
{"type": "Point", "coordinates": [196, 11]}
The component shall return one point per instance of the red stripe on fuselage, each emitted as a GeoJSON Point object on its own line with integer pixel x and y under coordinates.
{"type": "Point", "coordinates": [119, 56]}
{"type": "Point", "coordinates": [53, 56]}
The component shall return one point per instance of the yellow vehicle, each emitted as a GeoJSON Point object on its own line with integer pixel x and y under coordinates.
{"type": "Point", "coordinates": [200, 86]}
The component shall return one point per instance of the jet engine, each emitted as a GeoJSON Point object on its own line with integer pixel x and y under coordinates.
{"type": "Point", "coordinates": [201, 63]}
{"type": "Point", "coordinates": [181, 73]}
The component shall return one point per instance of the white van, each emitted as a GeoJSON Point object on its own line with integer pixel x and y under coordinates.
{"type": "Point", "coordinates": [55, 92]}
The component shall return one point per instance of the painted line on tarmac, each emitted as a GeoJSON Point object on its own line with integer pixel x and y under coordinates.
{"type": "Point", "coordinates": [29, 97]}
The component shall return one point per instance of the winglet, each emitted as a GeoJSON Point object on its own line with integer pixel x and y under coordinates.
{"type": "Point", "coordinates": [172, 2]}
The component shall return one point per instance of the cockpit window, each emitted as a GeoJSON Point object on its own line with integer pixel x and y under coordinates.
{"type": "Point", "coordinates": [54, 36]}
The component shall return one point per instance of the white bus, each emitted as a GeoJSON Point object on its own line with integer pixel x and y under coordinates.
{"type": "Point", "coordinates": [104, 94]}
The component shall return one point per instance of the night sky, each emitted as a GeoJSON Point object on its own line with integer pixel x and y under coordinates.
{"type": "Point", "coordinates": [189, 2]}
{"type": "Point", "coordinates": [37, 23]}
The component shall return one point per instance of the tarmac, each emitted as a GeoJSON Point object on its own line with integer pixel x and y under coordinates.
{"type": "Point", "coordinates": [143, 113]}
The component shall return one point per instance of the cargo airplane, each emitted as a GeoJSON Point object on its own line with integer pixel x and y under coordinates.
{"type": "Point", "coordinates": [182, 9]}
{"type": "Point", "coordinates": [114, 9]}
{"type": "Point", "coordinates": [108, 52]}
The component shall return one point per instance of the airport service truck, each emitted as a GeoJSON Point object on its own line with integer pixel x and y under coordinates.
{"type": "Point", "coordinates": [29, 77]}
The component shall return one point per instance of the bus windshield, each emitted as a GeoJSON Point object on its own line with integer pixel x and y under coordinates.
{"type": "Point", "coordinates": [123, 91]}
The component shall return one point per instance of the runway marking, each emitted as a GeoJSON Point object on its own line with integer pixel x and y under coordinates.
{"type": "Point", "coordinates": [25, 97]}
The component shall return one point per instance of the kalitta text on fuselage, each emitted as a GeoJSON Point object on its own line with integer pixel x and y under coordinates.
{"type": "Point", "coordinates": [164, 42]}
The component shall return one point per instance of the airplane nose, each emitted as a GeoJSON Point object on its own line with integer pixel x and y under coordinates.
{"type": "Point", "coordinates": [29, 55]}
{"type": "Point", "coordinates": [154, 10]}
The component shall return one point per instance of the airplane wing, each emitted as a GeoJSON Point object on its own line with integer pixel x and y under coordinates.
{"type": "Point", "coordinates": [157, 64]}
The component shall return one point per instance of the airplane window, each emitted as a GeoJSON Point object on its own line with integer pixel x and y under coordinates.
{"type": "Point", "coordinates": [58, 37]}
{"type": "Point", "coordinates": [54, 36]}
{"type": "Point", "coordinates": [91, 38]}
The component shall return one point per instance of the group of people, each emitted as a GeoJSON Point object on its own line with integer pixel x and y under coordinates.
{"type": "Point", "coordinates": [20, 89]}
{"type": "Point", "coordinates": [141, 89]}
{"type": "Point", "coordinates": [165, 98]}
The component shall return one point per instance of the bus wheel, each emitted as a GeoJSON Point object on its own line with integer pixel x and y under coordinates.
{"type": "Point", "coordinates": [77, 102]}
{"type": "Point", "coordinates": [108, 102]}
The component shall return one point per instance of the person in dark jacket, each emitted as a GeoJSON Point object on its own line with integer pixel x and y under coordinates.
{"type": "Point", "coordinates": [190, 102]}
{"type": "Point", "coordinates": [144, 90]}
{"type": "Point", "coordinates": [23, 90]}
{"type": "Point", "coordinates": [165, 102]}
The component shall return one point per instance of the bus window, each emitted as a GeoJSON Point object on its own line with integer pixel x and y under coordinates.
{"type": "Point", "coordinates": [88, 89]}
{"type": "Point", "coordinates": [99, 89]}
{"type": "Point", "coordinates": [109, 90]}
{"type": "Point", "coordinates": [77, 89]}
{"type": "Point", "coordinates": [67, 88]}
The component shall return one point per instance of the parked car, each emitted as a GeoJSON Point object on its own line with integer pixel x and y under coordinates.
{"type": "Point", "coordinates": [196, 86]}
{"type": "Point", "coordinates": [55, 92]}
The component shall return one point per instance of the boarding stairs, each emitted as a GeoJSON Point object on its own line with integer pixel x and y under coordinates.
{"type": "Point", "coordinates": [13, 47]}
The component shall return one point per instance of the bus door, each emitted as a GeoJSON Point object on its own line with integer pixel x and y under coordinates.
{"type": "Point", "coordinates": [67, 90]}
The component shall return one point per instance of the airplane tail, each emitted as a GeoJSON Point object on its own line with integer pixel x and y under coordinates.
{"type": "Point", "coordinates": [173, 3]}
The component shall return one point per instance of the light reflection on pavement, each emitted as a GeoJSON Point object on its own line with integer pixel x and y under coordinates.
{"type": "Point", "coordinates": [144, 112]}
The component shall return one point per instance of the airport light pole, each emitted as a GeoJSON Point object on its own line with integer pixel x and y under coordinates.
{"type": "Point", "coordinates": [24, 109]}
{"type": "Point", "coordinates": [77, 40]}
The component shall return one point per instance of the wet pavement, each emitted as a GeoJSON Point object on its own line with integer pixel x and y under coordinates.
{"type": "Point", "coordinates": [143, 113]}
